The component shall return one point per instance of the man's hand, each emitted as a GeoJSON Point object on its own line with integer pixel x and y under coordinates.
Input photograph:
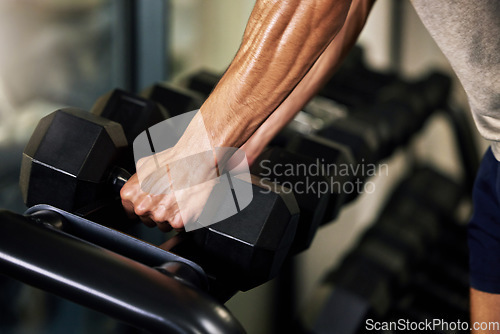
{"type": "Point", "coordinates": [153, 210]}
{"type": "Point", "coordinates": [172, 187]}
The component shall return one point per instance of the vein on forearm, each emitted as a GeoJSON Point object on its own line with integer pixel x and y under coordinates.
{"type": "Point", "coordinates": [281, 43]}
{"type": "Point", "coordinates": [315, 78]}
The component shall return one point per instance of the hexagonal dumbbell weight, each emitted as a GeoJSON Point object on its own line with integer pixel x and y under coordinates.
{"type": "Point", "coordinates": [68, 161]}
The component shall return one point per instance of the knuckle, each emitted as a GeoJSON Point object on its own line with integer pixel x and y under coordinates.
{"type": "Point", "coordinates": [158, 217]}
{"type": "Point", "coordinates": [143, 206]}
{"type": "Point", "coordinates": [176, 223]}
{"type": "Point", "coordinates": [140, 210]}
{"type": "Point", "coordinates": [125, 192]}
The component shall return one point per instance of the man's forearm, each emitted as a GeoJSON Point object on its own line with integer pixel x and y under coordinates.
{"type": "Point", "coordinates": [282, 41]}
{"type": "Point", "coordinates": [319, 74]}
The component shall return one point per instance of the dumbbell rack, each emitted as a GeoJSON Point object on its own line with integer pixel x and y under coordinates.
{"type": "Point", "coordinates": [423, 274]}
{"type": "Point", "coordinates": [410, 264]}
{"type": "Point", "coordinates": [110, 294]}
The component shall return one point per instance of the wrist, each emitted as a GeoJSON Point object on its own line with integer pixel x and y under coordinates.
{"type": "Point", "coordinates": [223, 124]}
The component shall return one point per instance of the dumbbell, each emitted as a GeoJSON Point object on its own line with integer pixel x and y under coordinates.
{"type": "Point", "coordinates": [69, 163]}
{"type": "Point", "coordinates": [439, 289]}
{"type": "Point", "coordinates": [203, 81]}
{"type": "Point", "coordinates": [424, 96]}
{"type": "Point", "coordinates": [344, 168]}
{"type": "Point", "coordinates": [366, 138]}
{"type": "Point", "coordinates": [423, 306]}
{"type": "Point", "coordinates": [312, 189]}
{"type": "Point", "coordinates": [354, 84]}
{"type": "Point", "coordinates": [447, 270]}
{"type": "Point", "coordinates": [398, 112]}
{"type": "Point", "coordinates": [332, 165]}
{"type": "Point", "coordinates": [365, 285]}
{"type": "Point", "coordinates": [59, 166]}
{"type": "Point", "coordinates": [358, 141]}
{"type": "Point", "coordinates": [433, 189]}
{"type": "Point", "coordinates": [407, 241]}
{"type": "Point", "coordinates": [423, 204]}
{"type": "Point", "coordinates": [395, 245]}
{"type": "Point", "coordinates": [373, 131]}
{"type": "Point", "coordinates": [405, 235]}
{"type": "Point", "coordinates": [133, 112]}
{"type": "Point", "coordinates": [429, 196]}
{"type": "Point", "coordinates": [398, 244]}
{"type": "Point", "coordinates": [409, 104]}
{"type": "Point", "coordinates": [346, 297]}
{"type": "Point", "coordinates": [177, 100]}
{"type": "Point", "coordinates": [402, 209]}
{"type": "Point", "coordinates": [389, 120]}
{"type": "Point", "coordinates": [348, 172]}
{"type": "Point", "coordinates": [438, 298]}
{"type": "Point", "coordinates": [356, 88]}
{"type": "Point", "coordinates": [420, 219]}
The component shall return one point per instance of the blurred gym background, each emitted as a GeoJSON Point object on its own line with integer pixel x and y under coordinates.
{"type": "Point", "coordinates": [58, 53]}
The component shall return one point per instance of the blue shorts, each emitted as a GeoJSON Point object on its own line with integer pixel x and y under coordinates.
{"type": "Point", "coordinates": [484, 227]}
